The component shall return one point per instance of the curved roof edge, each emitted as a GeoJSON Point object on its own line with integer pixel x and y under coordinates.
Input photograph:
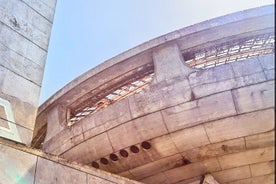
{"type": "Point", "coordinates": [222, 20]}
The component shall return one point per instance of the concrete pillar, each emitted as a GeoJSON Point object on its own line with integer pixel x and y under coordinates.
{"type": "Point", "coordinates": [56, 121]}
{"type": "Point", "coordinates": [25, 28]}
{"type": "Point", "coordinates": [169, 63]}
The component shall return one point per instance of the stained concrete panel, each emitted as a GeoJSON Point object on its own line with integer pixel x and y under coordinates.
{"type": "Point", "coordinates": [25, 21]}
{"type": "Point", "coordinates": [16, 166]}
{"type": "Point", "coordinates": [24, 90]}
{"type": "Point", "coordinates": [91, 149]}
{"type": "Point", "coordinates": [239, 126]}
{"type": "Point", "coordinates": [138, 130]}
{"type": "Point", "coordinates": [24, 38]}
{"type": "Point", "coordinates": [192, 170]}
{"type": "Point", "coordinates": [20, 65]}
{"type": "Point", "coordinates": [263, 168]}
{"type": "Point", "coordinates": [171, 91]}
{"type": "Point", "coordinates": [213, 150]}
{"type": "Point", "coordinates": [260, 140]}
{"type": "Point", "coordinates": [21, 45]}
{"type": "Point", "coordinates": [198, 111]}
{"type": "Point", "coordinates": [255, 97]}
{"type": "Point", "coordinates": [164, 146]}
{"type": "Point", "coordinates": [226, 77]}
{"type": "Point", "coordinates": [190, 138]}
{"type": "Point", "coordinates": [54, 125]}
{"type": "Point", "coordinates": [45, 7]}
{"type": "Point", "coordinates": [267, 61]}
{"type": "Point", "coordinates": [247, 157]}
{"type": "Point", "coordinates": [50, 172]}
{"type": "Point", "coordinates": [246, 67]}
{"type": "Point", "coordinates": [232, 174]}
{"type": "Point", "coordinates": [110, 117]}
{"type": "Point", "coordinates": [268, 65]}
{"type": "Point", "coordinates": [169, 63]}
{"type": "Point", "coordinates": [157, 166]}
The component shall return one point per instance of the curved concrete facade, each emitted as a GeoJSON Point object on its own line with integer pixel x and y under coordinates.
{"type": "Point", "coordinates": [209, 107]}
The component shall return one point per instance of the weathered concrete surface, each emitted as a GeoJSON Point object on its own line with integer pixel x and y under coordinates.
{"type": "Point", "coordinates": [191, 130]}
{"type": "Point", "coordinates": [20, 164]}
{"type": "Point", "coordinates": [187, 122]}
{"type": "Point", "coordinates": [25, 28]}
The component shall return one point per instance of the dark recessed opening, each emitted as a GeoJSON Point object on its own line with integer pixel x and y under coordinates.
{"type": "Point", "coordinates": [146, 145]}
{"type": "Point", "coordinates": [104, 161]}
{"type": "Point", "coordinates": [186, 161]}
{"type": "Point", "coordinates": [134, 149]}
{"type": "Point", "coordinates": [123, 153]}
{"type": "Point", "coordinates": [113, 157]}
{"type": "Point", "coordinates": [95, 164]}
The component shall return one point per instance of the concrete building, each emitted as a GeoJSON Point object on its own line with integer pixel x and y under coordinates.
{"type": "Point", "coordinates": [192, 106]}
{"type": "Point", "coordinates": [25, 27]}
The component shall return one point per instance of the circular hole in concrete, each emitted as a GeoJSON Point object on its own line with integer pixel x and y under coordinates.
{"type": "Point", "coordinates": [186, 161]}
{"type": "Point", "coordinates": [146, 145]}
{"type": "Point", "coordinates": [123, 153]}
{"type": "Point", "coordinates": [134, 149]}
{"type": "Point", "coordinates": [95, 164]}
{"type": "Point", "coordinates": [113, 157]}
{"type": "Point", "coordinates": [104, 161]}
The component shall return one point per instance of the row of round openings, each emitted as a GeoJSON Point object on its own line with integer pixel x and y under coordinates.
{"type": "Point", "coordinates": [134, 149]}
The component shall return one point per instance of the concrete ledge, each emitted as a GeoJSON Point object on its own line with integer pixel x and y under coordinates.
{"type": "Point", "coordinates": [47, 168]}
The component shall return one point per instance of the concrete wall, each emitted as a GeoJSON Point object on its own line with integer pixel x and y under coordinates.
{"type": "Point", "coordinates": [20, 164]}
{"type": "Point", "coordinates": [25, 27]}
{"type": "Point", "coordinates": [218, 120]}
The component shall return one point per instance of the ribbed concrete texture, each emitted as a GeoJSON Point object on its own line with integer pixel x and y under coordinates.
{"type": "Point", "coordinates": [196, 101]}
{"type": "Point", "coordinates": [25, 27]}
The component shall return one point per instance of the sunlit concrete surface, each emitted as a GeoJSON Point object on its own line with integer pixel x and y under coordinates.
{"type": "Point", "coordinates": [206, 107]}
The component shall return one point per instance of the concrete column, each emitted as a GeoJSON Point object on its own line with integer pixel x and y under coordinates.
{"type": "Point", "coordinates": [56, 121]}
{"type": "Point", "coordinates": [169, 63]}
{"type": "Point", "coordinates": [25, 28]}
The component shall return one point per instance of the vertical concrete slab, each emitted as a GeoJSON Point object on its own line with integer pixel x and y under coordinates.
{"type": "Point", "coordinates": [25, 28]}
{"type": "Point", "coordinates": [56, 123]}
{"type": "Point", "coordinates": [169, 63]}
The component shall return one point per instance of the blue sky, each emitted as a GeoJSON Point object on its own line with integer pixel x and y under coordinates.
{"type": "Point", "coordinates": [86, 33]}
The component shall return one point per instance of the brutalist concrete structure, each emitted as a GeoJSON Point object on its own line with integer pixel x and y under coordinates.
{"type": "Point", "coordinates": [197, 101]}
{"type": "Point", "coordinates": [192, 106]}
{"type": "Point", "coordinates": [25, 27]}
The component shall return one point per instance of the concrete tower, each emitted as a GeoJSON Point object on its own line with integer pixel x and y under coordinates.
{"type": "Point", "coordinates": [25, 28]}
